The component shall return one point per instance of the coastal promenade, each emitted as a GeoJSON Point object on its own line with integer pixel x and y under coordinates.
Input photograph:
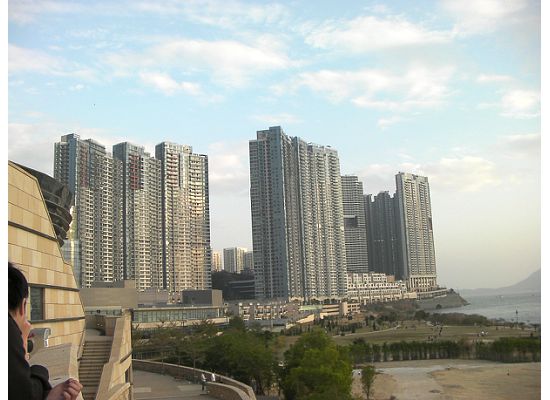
{"type": "Point", "coordinates": [148, 385]}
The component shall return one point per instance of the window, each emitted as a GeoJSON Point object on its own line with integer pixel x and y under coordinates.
{"type": "Point", "coordinates": [37, 303]}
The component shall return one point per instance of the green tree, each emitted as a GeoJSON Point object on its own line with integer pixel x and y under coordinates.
{"type": "Point", "coordinates": [316, 369]}
{"type": "Point", "coordinates": [368, 374]}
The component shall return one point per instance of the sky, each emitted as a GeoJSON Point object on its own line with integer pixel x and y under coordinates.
{"type": "Point", "coordinates": [445, 89]}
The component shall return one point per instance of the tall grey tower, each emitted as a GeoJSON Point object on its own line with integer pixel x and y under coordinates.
{"type": "Point", "coordinates": [87, 169]}
{"type": "Point", "coordinates": [297, 218]}
{"type": "Point", "coordinates": [186, 217]}
{"type": "Point", "coordinates": [138, 215]}
{"type": "Point", "coordinates": [355, 228]}
{"type": "Point", "coordinates": [416, 231]}
{"type": "Point", "coordinates": [383, 234]}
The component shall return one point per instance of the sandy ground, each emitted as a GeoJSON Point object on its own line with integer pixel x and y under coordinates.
{"type": "Point", "coordinates": [453, 380]}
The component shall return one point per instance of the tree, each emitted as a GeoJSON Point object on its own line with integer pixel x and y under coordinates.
{"type": "Point", "coordinates": [367, 379]}
{"type": "Point", "coordinates": [316, 369]}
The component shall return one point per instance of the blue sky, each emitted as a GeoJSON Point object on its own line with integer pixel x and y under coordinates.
{"type": "Point", "coordinates": [446, 89]}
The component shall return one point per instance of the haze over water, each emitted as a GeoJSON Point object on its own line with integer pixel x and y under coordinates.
{"type": "Point", "coordinates": [503, 306]}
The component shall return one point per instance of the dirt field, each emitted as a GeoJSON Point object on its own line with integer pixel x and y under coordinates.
{"type": "Point", "coordinates": [454, 380]}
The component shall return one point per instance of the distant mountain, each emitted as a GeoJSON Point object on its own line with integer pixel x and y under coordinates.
{"type": "Point", "coordinates": [531, 284]}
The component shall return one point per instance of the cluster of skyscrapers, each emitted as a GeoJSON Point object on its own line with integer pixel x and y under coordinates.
{"type": "Point", "coordinates": [147, 218]}
{"type": "Point", "coordinates": [311, 226]}
{"type": "Point", "coordinates": [136, 216]}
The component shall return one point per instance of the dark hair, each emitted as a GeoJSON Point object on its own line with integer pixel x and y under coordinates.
{"type": "Point", "coordinates": [18, 288]}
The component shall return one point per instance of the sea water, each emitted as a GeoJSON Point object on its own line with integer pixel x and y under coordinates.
{"type": "Point", "coordinates": [505, 306]}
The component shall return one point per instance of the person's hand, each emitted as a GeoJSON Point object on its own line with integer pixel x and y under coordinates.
{"type": "Point", "coordinates": [25, 331]}
{"type": "Point", "coordinates": [67, 390]}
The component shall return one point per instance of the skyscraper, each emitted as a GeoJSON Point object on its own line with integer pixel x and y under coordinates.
{"type": "Point", "coordinates": [186, 217]}
{"type": "Point", "coordinates": [249, 262]}
{"type": "Point", "coordinates": [383, 234]}
{"type": "Point", "coordinates": [87, 169]}
{"type": "Point", "coordinates": [355, 228]}
{"type": "Point", "coordinates": [216, 261]}
{"type": "Point", "coordinates": [233, 259]}
{"type": "Point", "coordinates": [139, 215]}
{"type": "Point", "coordinates": [416, 231]}
{"type": "Point", "coordinates": [135, 216]}
{"type": "Point", "coordinates": [297, 218]}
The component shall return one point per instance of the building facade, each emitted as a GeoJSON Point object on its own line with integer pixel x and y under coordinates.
{"type": "Point", "coordinates": [87, 169]}
{"type": "Point", "coordinates": [138, 215]}
{"type": "Point", "coordinates": [355, 227]}
{"type": "Point", "coordinates": [383, 234]}
{"type": "Point", "coordinates": [216, 261]}
{"type": "Point", "coordinates": [185, 217]}
{"type": "Point", "coordinates": [375, 287]}
{"type": "Point", "coordinates": [233, 259]}
{"type": "Point", "coordinates": [416, 231]}
{"type": "Point", "coordinates": [297, 218]}
{"type": "Point", "coordinates": [249, 262]}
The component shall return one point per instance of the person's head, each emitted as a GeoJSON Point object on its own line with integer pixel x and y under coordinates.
{"type": "Point", "coordinates": [18, 293]}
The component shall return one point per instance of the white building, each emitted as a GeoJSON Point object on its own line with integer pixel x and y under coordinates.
{"type": "Point", "coordinates": [375, 287]}
{"type": "Point", "coordinates": [233, 259]}
{"type": "Point", "coordinates": [416, 232]}
{"type": "Point", "coordinates": [186, 217]}
{"type": "Point", "coordinates": [216, 261]}
{"type": "Point", "coordinates": [297, 218]}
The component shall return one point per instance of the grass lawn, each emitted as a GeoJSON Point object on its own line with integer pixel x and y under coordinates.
{"type": "Point", "coordinates": [412, 331]}
{"type": "Point", "coordinates": [419, 331]}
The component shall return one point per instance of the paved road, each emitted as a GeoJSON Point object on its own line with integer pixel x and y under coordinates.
{"type": "Point", "coordinates": [163, 387]}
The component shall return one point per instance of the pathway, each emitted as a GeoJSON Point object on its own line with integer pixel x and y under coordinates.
{"type": "Point", "coordinates": [148, 385]}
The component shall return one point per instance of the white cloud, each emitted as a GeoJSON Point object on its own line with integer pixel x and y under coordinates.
{"type": "Point", "coordinates": [520, 104]}
{"type": "Point", "coordinates": [484, 78]}
{"type": "Point", "coordinates": [226, 14]}
{"type": "Point", "coordinates": [26, 11]}
{"type": "Point", "coordinates": [384, 123]}
{"type": "Point", "coordinates": [277, 119]}
{"type": "Point", "coordinates": [466, 173]}
{"type": "Point", "coordinates": [169, 86]}
{"type": "Point", "coordinates": [452, 173]}
{"type": "Point", "coordinates": [369, 33]}
{"type": "Point", "coordinates": [77, 87]}
{"type": "Point", "coordinates": [229, 62]}
{"type": "Point", "coordinates": [22, 60]}
{"type": "Point", "coordinates": [228, 168]}
{"type": "Point", "coordinates": [522, 145]}
{"type": "Point", "coordinates": [418, 87]}
{"type": "Point", "coordinates": [483, 16]}
{"type": "Point", "coordinates": [24, 138]}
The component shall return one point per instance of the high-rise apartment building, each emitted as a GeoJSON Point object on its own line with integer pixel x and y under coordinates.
{"type": "Point", "coordinates": [139, 215]}
{"type": "Point", "coordinates": [297, 218]}
{"type": "Point", "coordinates": [216, 261]}
{"type": "Point", "coordinates": [87, 169]}
{"type": "Point", "coordinates": [233, 259]}
{"type": "Point", "coordinates": [135, 216]}
{"type": "Point", "coordinates": [355, 229]}
{"type": "Point", "coordinates": [186, 217]}
{"type": "Point", "coordinates": [383, 234]}
{"type": "Point", "coordinates": [416, 231]}
{"type": "Point", "coordinates": [249, 261]}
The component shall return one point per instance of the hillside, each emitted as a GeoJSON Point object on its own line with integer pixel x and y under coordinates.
{"type": "Point", "coordinates": [531, 284]}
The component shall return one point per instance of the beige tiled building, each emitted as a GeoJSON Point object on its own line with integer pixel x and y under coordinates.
{"type": "Point", "coordinates": [55, 305]}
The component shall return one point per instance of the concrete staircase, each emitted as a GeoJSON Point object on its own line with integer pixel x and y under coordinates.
{"type": "Point", "coordinates": [95, 354]}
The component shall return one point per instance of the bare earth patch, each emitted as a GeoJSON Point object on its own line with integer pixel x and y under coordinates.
{"type": "Point", "coordinates": [454, 380]}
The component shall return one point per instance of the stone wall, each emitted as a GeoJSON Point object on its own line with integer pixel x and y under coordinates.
{"type": "Point", "coordinates": [117, 375]}
{"type": "Point", "coordinates": [33, 247]}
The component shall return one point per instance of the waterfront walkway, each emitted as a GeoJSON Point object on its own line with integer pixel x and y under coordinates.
{"type": "Point", "coordinates": [148, 385]}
